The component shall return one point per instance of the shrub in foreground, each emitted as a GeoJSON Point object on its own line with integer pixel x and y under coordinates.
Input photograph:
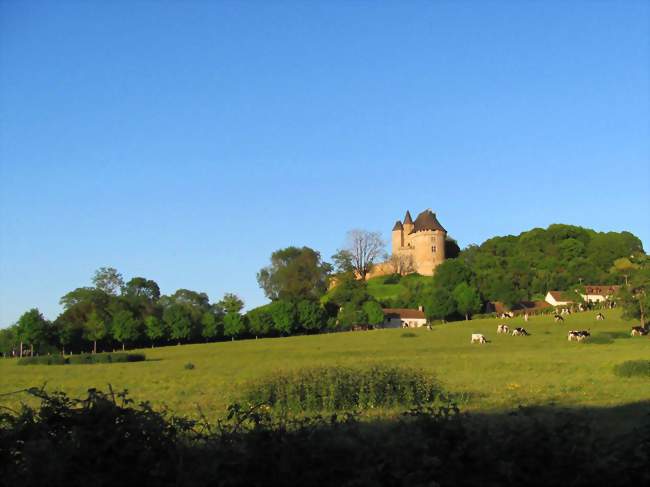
{"type": "Point", "coordinates": [43, 360]}
{"type": "Point", "coordinates": [107, 440]}
{"type": "Point", "coordinates": [343, 388]}
{"type": "Point", "coordinates": [633, 368]}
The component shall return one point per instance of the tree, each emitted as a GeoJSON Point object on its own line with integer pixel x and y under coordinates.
{"type": "Point", "coordinates": [233, 325]}
{"type": "Point", "coordinates": [177, 319]}
{"type": "Point", "coordinates": [295, 273]}
{"type": "Point", "coordinates": [32, 328]}
{"type": "Point", "coordinates": [311, 315]}
{"type": "Point", "coordinates": [231, 303]}
{"type": "Point", "coordinates": [402, 264]}
{"type": "Point", "coordinates": [209, 325]}
{"type": "Point", "coordinates": [364, 248]}
{"type": "Point", "coordinates": [125, 327]}
{"type": "Point", "coordinates": [467, 299]}
{"type": "Point", "coordinates": [108, 280]}
{"type": "Point", "coordinates": [351, 314]}
{"type": "Point", "coordinates": [8, 340]}
{"type": "Point", "coordinates": [440, 305]}
{"type": "Point", "coordinates": [94, 329]}
{"type": "Point", "coordinates": [154, 328]}
{"type": "Point", "coordinates": [142, 288]}
{"type": "Point", "coordinates": [260, 321]}
{"type": "Point", "coordinates": [343, 262]}
{"type": "Point", "coordinates": [635, 297]}
{"type": "Point", "coordinates": [284, 316]}
{"type": "Point", "coordinates": [373, 312]}
{"type": "Point", "coordinates": [623, 267]}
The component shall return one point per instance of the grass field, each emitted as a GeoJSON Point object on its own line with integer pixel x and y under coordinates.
{"type": "Point", "coordinates": [543, 369]}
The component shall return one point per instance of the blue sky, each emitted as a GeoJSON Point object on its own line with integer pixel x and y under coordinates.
{"type": "Point", "coordinates": [185, 142]}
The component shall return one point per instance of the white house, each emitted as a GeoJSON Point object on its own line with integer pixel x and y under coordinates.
{"type": "Point", "coordinates": [557, 298]}
{"type": "Point", "coordinates": [404, 318]}
{"type": "Point", "coordinates": [598, 294]}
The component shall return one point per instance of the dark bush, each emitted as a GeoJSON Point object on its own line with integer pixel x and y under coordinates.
{"type": "Point", "coordinates": [392, 279]}
{"type": "Point", "coordinates": [43, 360]}
{"type": "Point", "coordinates": [633, 368]}
{"type": "Point", "coordinates": [344, 388]}
{"type": "Point", "coordinates": [189, 366]}
{"type": "Point", "coordinates": [84, 358]}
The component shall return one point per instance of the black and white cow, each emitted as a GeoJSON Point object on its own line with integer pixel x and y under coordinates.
{"type": "Point", "coordinates": [520, 332]}
{"type": "Point", "coordinates": [600, 317]}
{"type": "Point", "coordinates": [638, 331]}
{"type": "Point", "coordinates": [557, 318]}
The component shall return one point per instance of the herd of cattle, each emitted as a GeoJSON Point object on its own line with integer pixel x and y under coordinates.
{"type": "Point", "coordinates": [573, 335]}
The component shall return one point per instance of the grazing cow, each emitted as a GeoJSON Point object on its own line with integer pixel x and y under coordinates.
{"type": "Point", "coordinates": [503, 329]}
{"type": "Point", "coordinates": [638, 331]}
{"type": "Point", "coordinates": [478, 338]}
{"type": "Point", "coordinates": [578, 335]}
{"type": "Point", "coordinates": [557, 318]}
{"type": "Point", "coordinates": [520, 332]}
{"type": "Point", "coordinates": [600, 317]}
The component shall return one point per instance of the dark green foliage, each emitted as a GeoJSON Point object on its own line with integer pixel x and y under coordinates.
{"type": "Point", "coordinates": [294, 274]}
{"type": "Point", "coordinates": [633, 368]}
{"type": "Point", "coordinates": [43, 360]}
{"type": "Point", "coordinates": [84, 358]}
{"type": "Point", "coordinates": [189, 366]}
{"type": "Point", "coordinates": [392, 279]}
{"type": "Point", "coordinates": [107, 440]}
{"type": "Point", "coordinates": [341, 388]}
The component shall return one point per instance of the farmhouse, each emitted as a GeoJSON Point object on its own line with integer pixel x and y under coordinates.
{"type": "Point", "coordinates": [557, 298]}
{"type": "Point", "coordinates": [599, 293]}
{"type": "Point", "coordinates": [404, 318]}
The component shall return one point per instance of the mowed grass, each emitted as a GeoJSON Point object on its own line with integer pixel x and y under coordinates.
{"type": "Point", "coordinates": [543, 369]}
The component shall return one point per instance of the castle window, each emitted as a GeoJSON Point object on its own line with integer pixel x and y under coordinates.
{"type": "Point", "coordinates": [433, 249]}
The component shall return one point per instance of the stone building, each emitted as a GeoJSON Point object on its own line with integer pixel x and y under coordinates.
{"type": "Point", "coordinates": [418, 246]}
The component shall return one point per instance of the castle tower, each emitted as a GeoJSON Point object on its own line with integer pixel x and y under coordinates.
{"type": "Point", "coordinates": [397, 237]}
{"type": "Point", "coordinates": [427, 239]}
{"type": "Point", "coordinates": [408, 226]}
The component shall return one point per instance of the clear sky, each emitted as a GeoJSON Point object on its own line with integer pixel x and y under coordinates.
{"type": "Point", "coordinates": [186, 141]}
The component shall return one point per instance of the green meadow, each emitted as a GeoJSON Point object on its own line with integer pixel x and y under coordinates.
{"type": "Point", "coordinates": [543, 369]}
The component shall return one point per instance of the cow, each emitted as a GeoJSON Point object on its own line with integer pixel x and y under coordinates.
{"type": "Point", "coordinates": [478, 338]}
{"type": "Point", "coordinates": [520, 332]}
{"type": "Point", "coordinates": [638, 331]}
{"type": "Point", "coordinates": [557, 318]}
{"type": "Point", "coordinates": [600, 317]}
{"type": "Point", "coordinates": [578, 335]}
{"type": "Point", "coordinates": [503, 329]}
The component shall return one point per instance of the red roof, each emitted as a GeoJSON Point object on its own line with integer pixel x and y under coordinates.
{"type": "Point", "coordinates": [407, 313]}
{"type": "Point", "coordinates": [602, 290]}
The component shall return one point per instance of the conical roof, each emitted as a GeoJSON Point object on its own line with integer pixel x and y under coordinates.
{"type": "Point", "coordinates": [398, 226]}
{"type": "Point", "coordinates": [407, 218]}
{"type": "Point", "coordinates": [427, 221]}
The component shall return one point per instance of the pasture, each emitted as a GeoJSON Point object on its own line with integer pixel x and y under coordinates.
{"type": "Point", "coordinates": [543, 369]}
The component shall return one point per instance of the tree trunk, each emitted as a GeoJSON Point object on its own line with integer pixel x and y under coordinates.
{"type": "Point", "coordinates": [94, 346]}
{"type": "Point", "coordinates": [466, 317]}
{"type": "Point", "coordinates": [122, 346]}
{"type": "Point", "coordinates": [31, 349]}
{"type": "Point", "coordinates": [21, 348]}
{"type": "Point", "coordinates": [63, 350]}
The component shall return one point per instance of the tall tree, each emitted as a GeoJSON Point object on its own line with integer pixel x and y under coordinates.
{"type": "Point", "coordinates": [467, 299]}
{"type": "Point", "coordinates": [311, 315]}
{"type": "Point", "coordinates": [209, 326]}
{"type": "Point", "coordinates": [33, 329]}
{"type": "Point", "coordinates": [284, 316]}
{"type": "Point", "coordinates": [440, 304]}
{"type": "Point", "coordinates": [125, 327]}
{"type": "Point", "coordinates": [260, 321]}
{"type": "Point", "coordinates": [94, 329]}
{"type": "Point", "coordinates": [154, 328]}
{"type": "Point", "coordinates": [364, 248]}
{"type": "Point", "coordinates": [142, 288]}
{"type": "Point", "coordinates": [108, 280]}
{"type": "Point", "coordinates": [231, 303]}
{"type": "Point", "coordinates": [295, 273]}
{"type": "Point", "coordinates": [178, 321]}
{"type": "Point", "coordinates": [233, 325]}
{"type": "Point", "coordinates": [373, 312]}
